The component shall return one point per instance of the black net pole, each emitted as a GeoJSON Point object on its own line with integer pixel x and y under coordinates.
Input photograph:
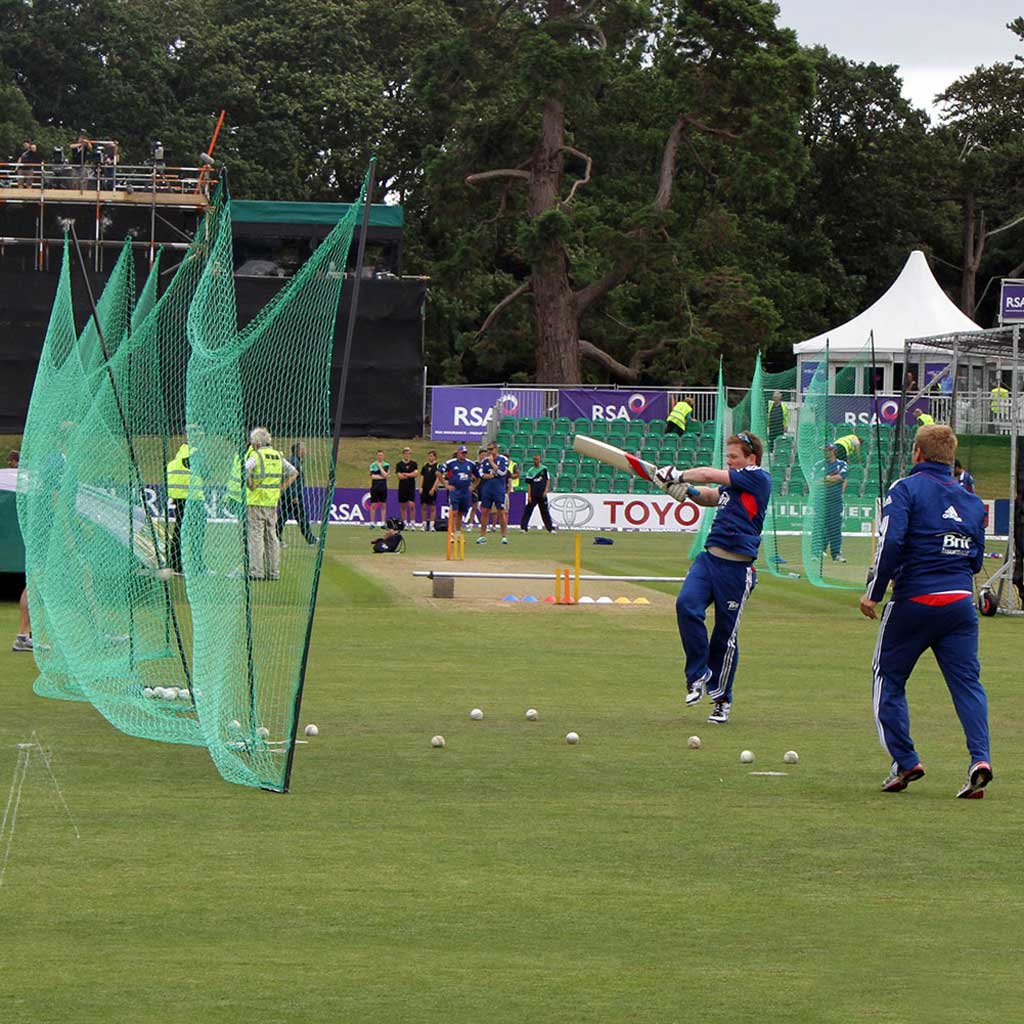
{"type": "Point", "coordinates": [339, 409]}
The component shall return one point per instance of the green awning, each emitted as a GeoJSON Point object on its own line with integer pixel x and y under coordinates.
{"type": "Point", "coordinates": [258, 211]}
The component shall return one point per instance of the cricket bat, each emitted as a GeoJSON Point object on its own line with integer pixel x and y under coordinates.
{"type": "Point", "coordinates": [612, 456]}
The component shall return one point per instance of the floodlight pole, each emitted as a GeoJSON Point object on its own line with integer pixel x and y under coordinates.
{"type": "Point", "coordinates": [339, 407]}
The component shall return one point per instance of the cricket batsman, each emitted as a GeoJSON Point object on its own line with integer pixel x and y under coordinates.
{"type": "Point", "coordinates": [723, 573]}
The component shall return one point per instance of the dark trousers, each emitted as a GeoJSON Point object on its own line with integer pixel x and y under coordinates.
{"type": "Point", "coordinates": [292, 506]}
{"type": "Point", "coordinates": [908, 629]}
{"type": "Point", "coordinates": [726, 585]}
{"type": "Point", "coordinates": [181, 507]}
{"type": "Point", "coordinates": [531, 504]}
{"type": "Point", "coordinates": [674, 428]}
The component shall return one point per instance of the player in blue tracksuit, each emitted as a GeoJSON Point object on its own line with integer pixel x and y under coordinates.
{"type": "Point", "coordinates": [459, 473]}
{"type": "Point", "coordinates": [931, 543]}
{"type": "Point", "coordinates": [833, 478]}
{"type": "Point", "coordinates": [723, 573]}
{"type": "Point", "coordinates": [493, 470]}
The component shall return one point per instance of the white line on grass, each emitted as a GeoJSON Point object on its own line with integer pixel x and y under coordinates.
{"type": "Point", "coordinates": [13, 800]}
{"type": "Point", "coordinates": [56, 785]}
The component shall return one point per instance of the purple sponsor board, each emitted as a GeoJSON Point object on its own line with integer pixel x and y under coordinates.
{"type": "Point", "coordinates": [462, 414]}
{"type": "Point", "coordinates": [579, 403]}
{"type": "Point", "coordinates": [807, 372]}
{"type": "Point", "coordinates": [859, 410]}
{"type": "Point", "coordinates": [1011, 302]}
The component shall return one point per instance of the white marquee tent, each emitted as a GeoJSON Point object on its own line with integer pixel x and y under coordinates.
{"type": "Point", "coordinates": [914, 306]}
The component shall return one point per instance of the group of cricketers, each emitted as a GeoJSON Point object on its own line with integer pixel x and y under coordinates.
{"type": "Point", "coordinates": [478, 489]}
{"type": "Point", "coordinates": [931, 543]}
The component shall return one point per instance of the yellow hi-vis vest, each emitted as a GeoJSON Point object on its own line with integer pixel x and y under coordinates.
{"type": "Point", "coordinates": [679, 413]}
{"type": "Point", "coordinates": [180, 477]}
{"type": "Point", "coordinates": [924, 419]}
{"type": "Point", "coordinates": [785, 413]}
{"type": "Point", "coordinates": [235, 490]}
{"type": "Point", "coordinates": [850, 443]}
{"type": "Point", "coordinates": [267, 477]}
{"type": "Point", "coordinates": [999, 404]}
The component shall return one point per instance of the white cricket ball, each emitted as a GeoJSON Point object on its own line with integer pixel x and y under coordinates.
{"type": "Point", "coordinates": [147, 691]}
{"type": "Point", "coordinates": [183, 694]}
{"type": "Point", "coordinates": [164, 573]}
{"type": "Point", "coordinates": [572, 737]}
{"type": "Point", "coordinates": [746, 756]}
{"type": "Point", "coordinates": [263, 732]}
{"type": "Point", "coordinates": [311, 730]}
{"type": "Point", "coordinates": [158, 692]}
{"type": "Point", "coordinates": [437, 741]}
{"type": "Point", "coordinates": [693, 743]}
{"type": "Point", "coordinates": [791, 757]}
{"type": "Point", "coordinates": [531, 714]}
{"type": "Point", "coordinates": [476, 714]}
{"type": "Point", "coordinates": [170, 693]}
{"type": "Point", "coordinates": [234, 724]}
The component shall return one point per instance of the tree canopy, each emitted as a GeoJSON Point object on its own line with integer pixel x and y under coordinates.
{"type": "Point", "coordinates": [598, 189]}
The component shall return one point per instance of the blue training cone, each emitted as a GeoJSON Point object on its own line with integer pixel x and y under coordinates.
{"type": "Point", "coordinates": [510, 597]}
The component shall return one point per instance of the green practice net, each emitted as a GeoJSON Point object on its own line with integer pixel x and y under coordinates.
{"type": "Point", "coordinates": [59, 390]}
{"type": "Point", "coordinates": [252, 601]}
{"type": "Point", "coordinates": [717, 455]}
{"type": "Point", "coordinates": [152, 617]}
{"type": "Point", "coordinates": [772, 399]}
{"type": "Point", "coordinates": [842, 486]}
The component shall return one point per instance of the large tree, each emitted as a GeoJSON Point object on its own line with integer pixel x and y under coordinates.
{"type": "Point", "coordinates": [613, 130]}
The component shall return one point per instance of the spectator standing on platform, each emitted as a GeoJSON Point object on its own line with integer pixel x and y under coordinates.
{"type": "Point", "coordinates": [428, 490]}
{"type": "Point", "coordinates": [539, 481]}
{"type": "Point", "coordinates": [81, 150]}
{"type": "Point", "coordinates": [28, 165]}
{"type": "Point", "coordinates": [963, 478]}
{"type": "Point", "coordinates": [676, 421]}
{"type": "Point", "coordinates": [379, 470]}
{"type": "Point", "coordinates": [293, 500]}
{"type": "Point", "coordinates": [406, 472]}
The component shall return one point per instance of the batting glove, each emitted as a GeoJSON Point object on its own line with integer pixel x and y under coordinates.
{"type": "Point", "coordinates": [668, 475]}
{"type": "Point", "coordinates": [682, 492]}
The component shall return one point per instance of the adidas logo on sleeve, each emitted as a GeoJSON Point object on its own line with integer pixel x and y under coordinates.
{"type": "Point", "coordinates": [951, 513]}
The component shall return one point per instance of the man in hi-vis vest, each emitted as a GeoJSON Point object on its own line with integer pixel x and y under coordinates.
{"type": "Point", "coordinates": [676, 420]}
{"type": "Point", "coordinates": [267, 474]}
{"type": "Point", "coordinates": [179, 480]}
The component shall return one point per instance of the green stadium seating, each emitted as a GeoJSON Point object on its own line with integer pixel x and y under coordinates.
{"type": "Point", "coordinates": [563, 425]}
{"type": "Point", "coordinates": [603, 485]}
{"type": "Point", "coordinates": [605, 471]}
{"type": "Point", "coordinates": [655, 427]}
{"type": "Point", "coordinates": [636, 428]}
{"type": "Point", "coordinates": [697, 426]}
{"type": "Point", "coordinates": [581, 425]}
{"type": "Point", "coordinates": [617, 428]}
{"type": "Point", "coordinates": [598, 428]}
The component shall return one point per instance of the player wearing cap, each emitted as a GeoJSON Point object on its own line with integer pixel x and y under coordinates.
{"type": "Point", "coordinates": [459, 475]}
{"type": "Point", "coordinates": [962, 477]}
{"type": "Point", "coordinates": [931, 542]}
{"type": "Point", "coordinates": [723, 572]}
{"type": "Point", "coordinates": [833, 471]}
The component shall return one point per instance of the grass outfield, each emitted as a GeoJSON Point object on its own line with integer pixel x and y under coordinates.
{"type": "Point", "coordinates": [510, 877]}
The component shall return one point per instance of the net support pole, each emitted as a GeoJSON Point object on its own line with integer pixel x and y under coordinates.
{"type": "Point", "coordinates": [131, 451]}
{"type": "Point", "coordinates": [339, 408]}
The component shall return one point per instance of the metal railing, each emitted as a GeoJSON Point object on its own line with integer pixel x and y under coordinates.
{"type": "Point", "coordinates": [54, 180]}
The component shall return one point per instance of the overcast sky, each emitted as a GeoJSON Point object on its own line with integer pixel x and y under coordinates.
{"type": "Point", "coordinates": [933, 41]}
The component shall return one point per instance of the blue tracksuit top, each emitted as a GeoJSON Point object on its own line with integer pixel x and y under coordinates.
{"type": "Point", "coordinates": [740, 514]}
{"type": "Point", "coordinates": [932, 536]}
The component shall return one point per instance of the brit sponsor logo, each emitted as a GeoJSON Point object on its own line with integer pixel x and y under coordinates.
{"type": "Point", "coordinates": [956, 544]}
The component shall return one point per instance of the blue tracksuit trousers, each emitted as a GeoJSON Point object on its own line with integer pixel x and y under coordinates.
{"type": "Point", "coordinates": [727, 584]}
{"type": "Point", "coordinates": [908, 629]}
